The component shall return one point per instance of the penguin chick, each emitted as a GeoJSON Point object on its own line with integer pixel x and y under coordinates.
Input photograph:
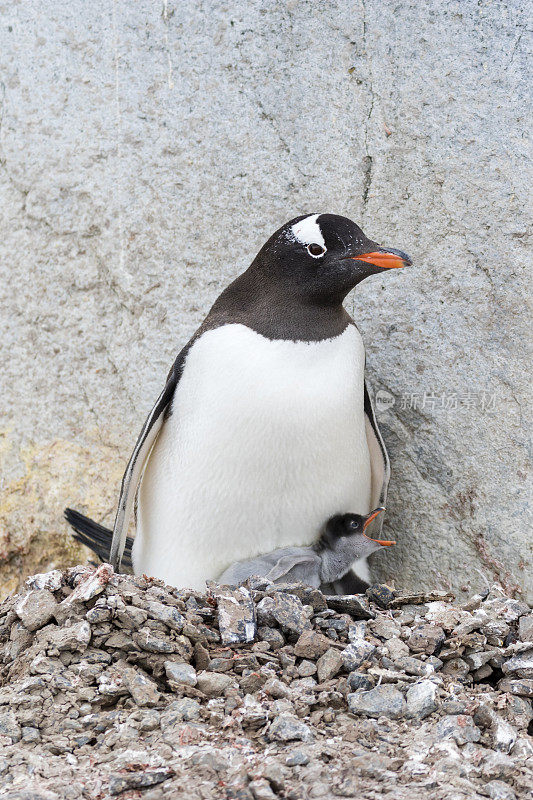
{"type": "Point", "coordinates": [342, 542]}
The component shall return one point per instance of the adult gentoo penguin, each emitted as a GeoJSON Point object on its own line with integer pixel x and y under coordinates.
{"type": "Point", "coordinates": [265, 428]}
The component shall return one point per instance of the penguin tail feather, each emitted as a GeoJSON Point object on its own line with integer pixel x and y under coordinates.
{"type": "Point", "coordinates": [96, 537]}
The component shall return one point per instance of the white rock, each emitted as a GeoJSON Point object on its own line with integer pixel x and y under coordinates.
{"type": "Point", "coordinates": [421, 699]}
{"type": "Point", "coordinates": [46, 580]}
{"type": "Point", "coordinates": [179, 672]}
{"type": "Point", "coordinates": [91, 585]}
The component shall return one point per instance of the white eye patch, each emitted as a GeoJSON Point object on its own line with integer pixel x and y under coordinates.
{"type": "Point", "coordinates": [307, 231]}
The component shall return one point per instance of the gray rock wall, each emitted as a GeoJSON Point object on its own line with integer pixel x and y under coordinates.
{"type": "Point", "coordinates": [146, 152]}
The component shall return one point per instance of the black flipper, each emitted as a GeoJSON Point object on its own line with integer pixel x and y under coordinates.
{"type": "Point", "coordinates": [96, 537]}
{"type": "Point", "coordinates": [141, 452]}
{"type": "Point", "coordinates": [379, 462]}
{"type": "Point", "coordinates": [110, 545]}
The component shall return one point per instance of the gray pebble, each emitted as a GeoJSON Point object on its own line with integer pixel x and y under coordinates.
{"type": "Point", "coordinates": [213, 684]}
{"type": "Point", "coordinates": [520, 666]}
{"type": "Point", "coordinates": [286, 728]}
{"type": "Point", "coordinates": [297, 759]}
{"type": "Point", "coordinates": [284, 609]}
{"type": "Point", "coordinates": [383, 701]}
{"type": "Point", "coordinates": [306, 668]}
{"type": "Point", "coordinates": [36, 609]}
{"type": "Point", "coordinates": [421, 699]}
{"type": "Point", "coordinates": [138, 780]}
{"type": "Point", "coordinates": [426, 639]}
{"type": "Point", "coordinates": [236, 615]}
{"type": "Point", "coordinates": [461, 728]}
{"type": "Point", "coordinates": [329, 664]}
{"type": "Point", "coordinates": [182, 710]}
{"type": "Point", "coordinates": [31, 735]}
{"type": "Point", "coordinates": [357, 652]}
{"type": "Point", "coordinates": [180, 672]}
{"type": "Point", "coordinates": [525, 628]}
{"type": "Point", "coordinates": [519, 686]}
{"type": "Point", "coordinates": [9, 726]}
{"type": "Point", "coordinates": [311, 644]}
{"type": "Point", "coordinates": [141, 687]}
{"type": "Point", "coordinates": [271, 635]}
{"type": "Point", "coordinates": [276, 688]}
{"type": "Point", "coordinates": [498, 790]}
{"type": "Point", "coordinates": [353, 604]}
{"type": "Point", "coordinates": [360, 680]}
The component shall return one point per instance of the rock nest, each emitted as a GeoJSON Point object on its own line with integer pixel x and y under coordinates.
{"type": "Point", "coordinates": [121, 686]}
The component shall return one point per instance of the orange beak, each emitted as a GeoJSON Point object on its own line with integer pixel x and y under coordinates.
{"type": "Point", "coordinates": [385, 259]}
{"type": "Point", "coordinates": [369, 519]}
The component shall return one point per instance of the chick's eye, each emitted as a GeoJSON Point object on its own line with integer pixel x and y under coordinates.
{"type": "Point", "coordinates": [315, 249]}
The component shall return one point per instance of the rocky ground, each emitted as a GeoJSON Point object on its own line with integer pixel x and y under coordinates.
{"type": "Point", "coordinates": [122, 686]}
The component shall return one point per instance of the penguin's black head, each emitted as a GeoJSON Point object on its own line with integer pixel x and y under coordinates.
{"type": "Point", "coordinates": [321, 257]}
{"type": "Point", "coordinates": [347, 525]}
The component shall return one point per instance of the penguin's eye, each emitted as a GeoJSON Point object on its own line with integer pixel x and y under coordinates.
{"type": "Point", "coordinates": [314, 249]}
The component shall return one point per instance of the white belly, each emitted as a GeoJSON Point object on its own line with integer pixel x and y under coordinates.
{"type": "Point", "coordinates": [265, 442]}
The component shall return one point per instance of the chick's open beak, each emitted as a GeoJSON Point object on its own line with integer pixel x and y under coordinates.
{"type": "Point", "coordinates": [386, 259]}
{"type": "Point", "coordinates": [369, 519]}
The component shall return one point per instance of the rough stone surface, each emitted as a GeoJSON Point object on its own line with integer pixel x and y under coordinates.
{"type": "Point", "coordinates": [71, 637]}
{"type": "Point", "coordinates": [521, 687]}
{"type": "Point", "coordinates": [397, 649]}
{"type": "Point", "coordinates": [284, 609]}
{"type": "Point", "coordinates": [497, 765]}
{"type": "Point", "coordinates": [236, 616]}
{"type": "Point", "coordinates": [520, 666]}
{"type": "Point", "coordinates": [381, 594]}
{"type": "Point", "coordinates": [352, 604]}
{"type": "Point", "coordinates": [383, 701]}
{"type": "Point", "coordinates": [297, 759]}
{"type": "Point", "coordinates": [503, 735]}
{"type": "Point", "coordinates": [355, 654]}
{"type": "Point", "coordinates": [311, 644]}
{"type": "Point", "coordinates": [91, 585]}
{"type": "Point", "coordinates": [9, 726]}
{"type": "Point", "coordinates": [179, 672]}
{"type": "Point", "coordinates": [286, 728]}
{"type": "Point", "coordinates": [141, 687]}
{"type": "Point", "coordinates": [213, 684]}
{"type": "Point", "coordinates": [459, 727]}
{"type": "Point", "coordinates": [426, 639]}
{"type": "Point", "coordinates": [498, 790]}
{"type": "Point", "coordinates": [145, 157]}
{"type": "Point", "coordinates": [182, 710]}
{"type": "Point", "coordinates": [525, 628]}
{"type": "Point", "coordinates": [170, 616]}
{"type": "Point", "coordinates": [358, 680]}
{"type": "Point", "coordinates": [138, 780]}
{"type": "Point", "coordinates": [307, 668]}
{"type": "Point", "coordinates": [329, 664]}
{"type": "Point", "coordinates": [421, 699]}
{"type": "Point", "coordinates": [36, 609]}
